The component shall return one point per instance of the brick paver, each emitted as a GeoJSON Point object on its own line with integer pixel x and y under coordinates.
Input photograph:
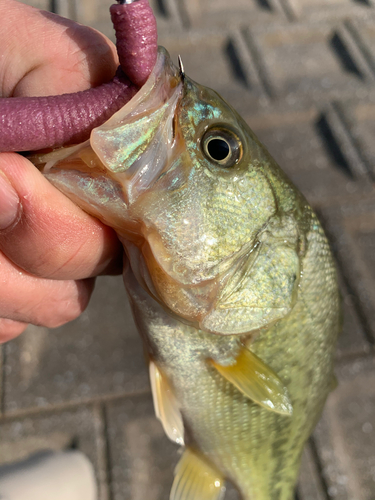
{"type": "Point", "coordinates": [302, 73]}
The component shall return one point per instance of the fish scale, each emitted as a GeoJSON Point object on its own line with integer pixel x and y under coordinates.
{"type": "Point", "coordinates": [258, 421]}
{"type": "Point", "coordinates": [229, 425]}
{"type": "Point", "coordinates": [239, 307]}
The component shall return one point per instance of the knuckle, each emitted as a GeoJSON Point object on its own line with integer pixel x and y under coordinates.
{"type": "Point", "coordinates": [58, 318]}
{"type": "Point", "coordinates": [10, 329]}
{"type": "Point", "coordinates": [62, 314]}
{"type": "Point", "coordinates": [69, 306]}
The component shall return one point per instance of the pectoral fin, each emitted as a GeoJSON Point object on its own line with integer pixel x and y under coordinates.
{"type": "Point", "coordinates": [166, 406]}
{"type": "Point", "coordinates": [257, 381]}
{"type": "Point", "coordinates": [196, 479]}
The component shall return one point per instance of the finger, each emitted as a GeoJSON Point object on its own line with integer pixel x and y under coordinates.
{"type": "Point", "coordinates": [44, 54]}
{"type": "Point", "coordinates": [49, 236]}
{"type": "Point", "coordinates": [10, 329]}
{"type": "Point", "coordinates": [51, 303]}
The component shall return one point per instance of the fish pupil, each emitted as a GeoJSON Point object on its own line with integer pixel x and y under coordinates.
{"type": "Point", "coordinates": [218, 149]}
{"type": "Point", "coordinates": [222, 146]}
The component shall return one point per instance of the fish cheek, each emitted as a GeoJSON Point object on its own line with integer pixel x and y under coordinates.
{"type": "Point", "coordinates": [214, 220]}
{"type": "Point", "coordinates": [267, 290]}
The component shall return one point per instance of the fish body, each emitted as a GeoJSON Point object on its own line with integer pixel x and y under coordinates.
{"type": "Point", "coordinates": [230, 278]}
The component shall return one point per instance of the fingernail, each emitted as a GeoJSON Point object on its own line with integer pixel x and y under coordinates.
{"type": "Point", "coordinates": [9, 203]}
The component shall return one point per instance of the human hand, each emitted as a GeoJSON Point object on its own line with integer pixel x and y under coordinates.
{"type": "Point", "coordinates": [50, 250]}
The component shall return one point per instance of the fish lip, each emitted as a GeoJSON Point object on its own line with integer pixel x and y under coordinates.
{"type": "Point", "coordinates": [136, 143]}
{"type": "Point", "coordinates": [153, 80]}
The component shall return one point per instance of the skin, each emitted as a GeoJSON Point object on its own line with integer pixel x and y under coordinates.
{"type": "Point", "coordinates": [40, 284]}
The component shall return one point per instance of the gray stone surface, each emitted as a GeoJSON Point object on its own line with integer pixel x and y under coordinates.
{"type": "Point", "coordinates": [310, 486]}
{"type": "Point", "coordinates": [345, 436]}
{"type": "Point", "coordinates": [327, 9]}
{"type": "Point", "coordinates": [215, 13]}
{"type": "Point", "coordinates": [39, 4]}
{"type": "Point", "coordinates": [98, 355]}
{"type": "Point", "coordinates": [302, 73]}
{"type": "Point", "coordinates": [304, 58]}
{"type": "Point", "coordinates": [141, 458]}
{"type": "Point", "coordinates": [352, 230]}
{"type": "Point", "coordinates": [299, 142]}
{"type": "Point", "coordinates": [81, 427]}
{"type": "Point", "coordinates": [353, 339]}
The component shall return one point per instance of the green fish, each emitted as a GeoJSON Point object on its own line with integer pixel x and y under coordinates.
{"type": "Point", "coordinates": [230, 277]}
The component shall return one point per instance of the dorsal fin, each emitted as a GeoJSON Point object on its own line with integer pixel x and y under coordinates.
{"type": "Point", "coordinates": [165, 405]}
{"type": "Point", "coordinates": [257, 381]}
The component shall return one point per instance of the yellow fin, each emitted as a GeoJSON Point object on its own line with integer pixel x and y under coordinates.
{"type": "Point", "coordinates": [257, 381]}
{"type": "Point", "coordinates": [196, 479]}
{"type": "Point", "coordinates": [166, 406]}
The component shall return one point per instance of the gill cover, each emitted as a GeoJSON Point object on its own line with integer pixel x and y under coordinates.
{"type": "Point", "coordinates": [212, 228]}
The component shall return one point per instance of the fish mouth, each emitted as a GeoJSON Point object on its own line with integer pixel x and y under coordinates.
{"type": "Point", "coordinates": [131, 150]}
{"type": "Point", "coordinates": [136, 144]}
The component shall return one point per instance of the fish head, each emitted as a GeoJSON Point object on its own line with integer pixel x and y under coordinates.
{"type": "Point", "coordinates": [212, 228]}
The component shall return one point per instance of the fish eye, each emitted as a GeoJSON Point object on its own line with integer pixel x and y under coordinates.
{"type": "Point", "coordinates": [222, 146]}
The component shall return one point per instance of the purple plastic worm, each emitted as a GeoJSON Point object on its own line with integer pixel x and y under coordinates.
{"type": "Point", "coordinates": [32, 123]}
{"type": "Point", "coordinates": [135, 39]}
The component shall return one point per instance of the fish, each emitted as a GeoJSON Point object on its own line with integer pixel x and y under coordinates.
{"type": "Point", "coordinates": [230, 277]}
